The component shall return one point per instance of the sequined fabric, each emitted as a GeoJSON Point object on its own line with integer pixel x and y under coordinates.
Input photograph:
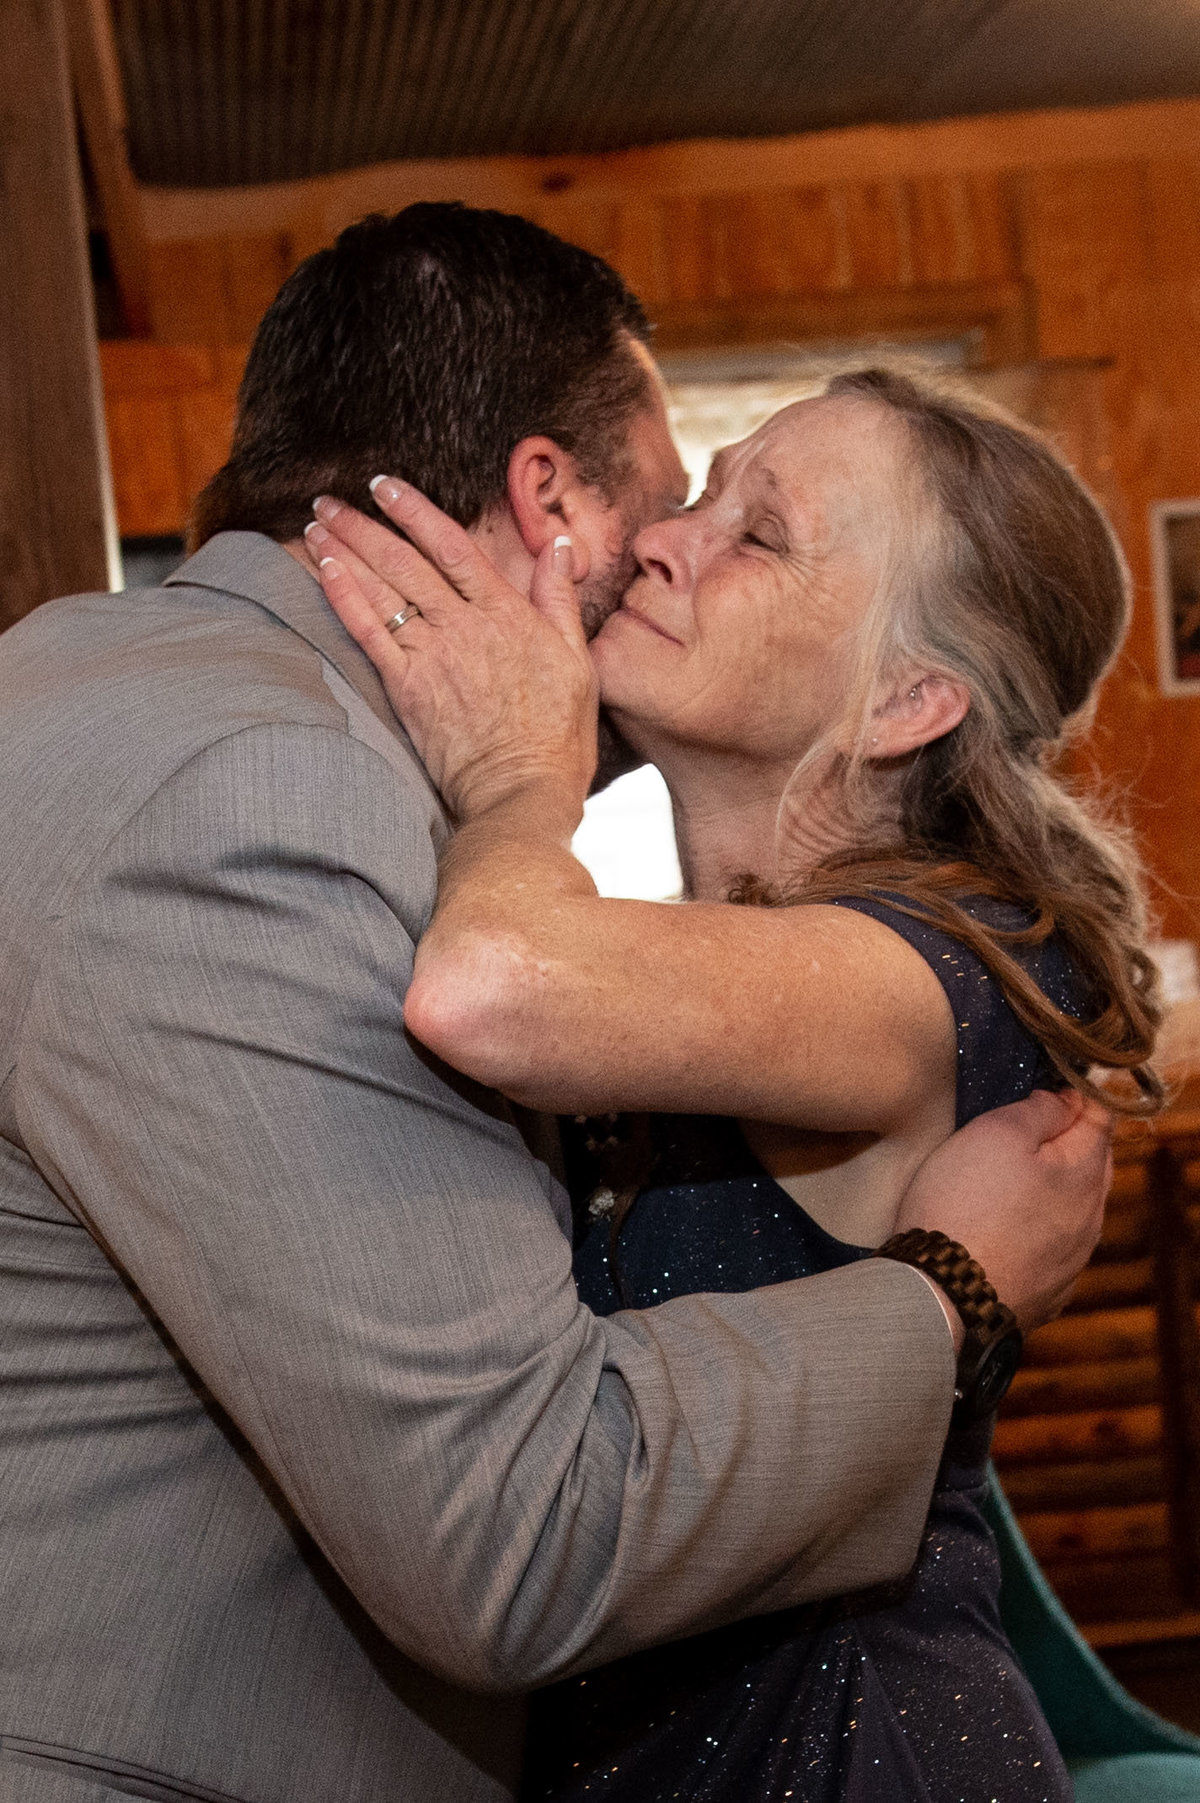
{"type": "Point", "coordinates": [907, 1696]}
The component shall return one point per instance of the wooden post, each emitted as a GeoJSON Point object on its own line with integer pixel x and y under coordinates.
{"type": "Point", "coordinates": [101, 100]}
{"type": "Point", "coordinates": [57, 522]}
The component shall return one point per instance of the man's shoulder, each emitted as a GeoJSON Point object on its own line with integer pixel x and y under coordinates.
{"type": "Point", "coordinates": [239, 636]}
{"type": "Point", "coordinates": [106, 698]}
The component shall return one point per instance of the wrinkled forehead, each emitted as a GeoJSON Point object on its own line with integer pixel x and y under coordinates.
{"type": "Point", "coordinates": [842, 451]}
{"type": "Point", "coordinates": [834, 468]}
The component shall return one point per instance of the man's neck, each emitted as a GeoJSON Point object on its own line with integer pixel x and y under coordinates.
{"type": "Point", "coordinates": [496, 533]}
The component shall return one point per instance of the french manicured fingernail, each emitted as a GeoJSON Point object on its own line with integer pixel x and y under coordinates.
{"type": "Point", "coordinates": [315, 533]}
{"type": "Point", "coordinates": [385, 488]}
{"type": "Point", "coordinates": [326, 506]}
{"type": "Point", "coordinates": [562, 552]}
{"type": "Point", "coordinates": [331, 566]}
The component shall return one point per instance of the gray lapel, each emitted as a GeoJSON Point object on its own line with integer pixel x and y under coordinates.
{"type": "Point", "coordinates": [251, 565]}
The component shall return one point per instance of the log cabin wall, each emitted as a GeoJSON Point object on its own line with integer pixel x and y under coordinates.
{"type": "Point", "coordinates": [1069, 239]}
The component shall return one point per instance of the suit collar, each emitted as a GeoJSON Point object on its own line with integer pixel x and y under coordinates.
{"type": "Point", "coordinates": [254, 566]}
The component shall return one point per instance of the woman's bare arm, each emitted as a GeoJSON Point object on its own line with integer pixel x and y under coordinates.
{"type": "Point", "coordinates": [529, 981]}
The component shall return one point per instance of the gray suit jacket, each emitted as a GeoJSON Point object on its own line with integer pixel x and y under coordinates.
{"type": "Point", "coordinates": [311, 1457]}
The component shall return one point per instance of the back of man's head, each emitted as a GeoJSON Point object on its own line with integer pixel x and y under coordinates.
{"type": "Point", "coordinates": [427, 346]}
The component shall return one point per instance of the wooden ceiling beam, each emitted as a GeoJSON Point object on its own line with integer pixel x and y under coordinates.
{"type": "Point", "coordinates": [99, 95]}
{"type": "Point", "coordinates": [315, 209]}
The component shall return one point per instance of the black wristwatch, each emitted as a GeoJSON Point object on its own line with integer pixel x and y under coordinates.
{"type": "Point", "coordinates": [991, 1351]}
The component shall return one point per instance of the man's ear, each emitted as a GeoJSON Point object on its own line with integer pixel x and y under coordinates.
{"type": "Point", "coordinates": [547, 498]}
{"type": "Point", "coordinates": [916, 710]}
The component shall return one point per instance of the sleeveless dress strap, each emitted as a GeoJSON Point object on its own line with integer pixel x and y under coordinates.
{"type": "Point", "coordinates": [998, 1061]}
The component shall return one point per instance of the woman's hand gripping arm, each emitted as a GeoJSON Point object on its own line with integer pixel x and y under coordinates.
{"type": "Point", "coordinates": [526, 979]}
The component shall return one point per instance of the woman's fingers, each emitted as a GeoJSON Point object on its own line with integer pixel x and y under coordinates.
{"type": "Point", "coordinates": [390, 571]}
{"type": "Point", "coordinates": [362, 619]}
{"type": "Point", "coordinates": [444, 542]}
{"type": "Point", "coordinates": [552, 590]}
{"type": "Point", "coordinates": [382, 596]}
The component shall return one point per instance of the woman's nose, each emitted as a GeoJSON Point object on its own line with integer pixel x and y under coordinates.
{"type": "Point", "coordinates": [660, 551]}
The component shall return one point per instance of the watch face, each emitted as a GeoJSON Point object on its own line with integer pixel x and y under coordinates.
{"type": "Point", "coordinates": [996, 1371]}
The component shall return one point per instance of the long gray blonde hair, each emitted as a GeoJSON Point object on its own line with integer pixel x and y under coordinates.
{"type": "Point", "coordinates": [1016, 587]}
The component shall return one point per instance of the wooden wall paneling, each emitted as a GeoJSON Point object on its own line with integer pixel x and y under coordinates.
{"type": "Point", "coordinates": [229, 361]}
{"type": "Point", "coordinates": [1085, 1483]}
{"type": "Point", "coordinates": [1164, 328]}
{"type": "Point", "coordinates": [1147, 744]}
{"type": "Point", "coordinates": [814, 227]}
{"type": "Point", "coordinates": [1110, 1589]}
{"type": "Point", "coordinates": [170, 411]}
{"type": "Point", "coordinates": [962, 229]}
{"type": "Point", "coordinates": [188, 298]}
{"type": "Point", "coordinates": [748, 246]}
{"type": "Point", "coordinates": [944, 242]}
{"type": "Point", "coordinates": [639, 251]}
{"type": "Point", "coordinates": [590, 224]}
{"type": "Point", "coordinates": [720, 245]}
{"type": "Point", "coordinates": [204, 428]}
{"type": "Point", "coordinates": [147, 463]}
{"type": "Point", "coordinates": [879, 229]}
{"type": "Point", "coordinates": [1058, 1389]}
{"type": "Point", "coordinates": [254, 266]}
{"type": "Point", "coordinates": [993, 203]}
{"type": "Point", "coordinates": [137, 366]}
{"type": "Point", "coordinates": [1085, 233]}
{"type": "Point", "coordinates": [1097, 1434]}
{"type": "Point", "coordinates": [1138, 397]}
{"type": "Point", "coordinates": [684, 240]}
{"type": "Point", "coordinates": [1173, 217]}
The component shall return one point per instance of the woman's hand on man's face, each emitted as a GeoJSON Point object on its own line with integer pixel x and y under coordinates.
{"type": "Point", "coordinates": [496, 690]}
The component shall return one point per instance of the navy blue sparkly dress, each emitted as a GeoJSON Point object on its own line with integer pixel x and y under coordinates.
{"type": "Point", "coordinates": [909, 1695]}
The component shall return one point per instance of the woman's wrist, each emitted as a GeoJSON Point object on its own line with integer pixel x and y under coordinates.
{"type": "Point", "coordinates": [550, 802]}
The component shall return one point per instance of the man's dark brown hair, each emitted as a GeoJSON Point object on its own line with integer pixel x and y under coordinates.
{"type": "Point", "coordinates": [427, 345]}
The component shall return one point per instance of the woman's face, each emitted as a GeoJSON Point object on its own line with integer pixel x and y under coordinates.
{"type": "Point", "coordinates": [737, 630]}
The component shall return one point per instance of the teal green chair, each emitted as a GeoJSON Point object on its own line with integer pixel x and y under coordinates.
{"type": "Point", "coordinates": [1118, 1751]}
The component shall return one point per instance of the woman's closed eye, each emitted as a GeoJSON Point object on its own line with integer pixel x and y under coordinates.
{"type": "Point", "coordinates": [766, 535]}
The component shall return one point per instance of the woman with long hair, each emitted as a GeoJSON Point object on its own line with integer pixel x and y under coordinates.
{"type": "Point", "coordinates": [856, 661]}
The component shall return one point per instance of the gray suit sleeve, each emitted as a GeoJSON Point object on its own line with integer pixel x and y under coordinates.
{"type": "Point", "coordinates": [361, 1260]}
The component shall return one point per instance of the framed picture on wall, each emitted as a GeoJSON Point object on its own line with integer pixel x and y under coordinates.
{"type": "Point", "coordinates": [1175, 541]}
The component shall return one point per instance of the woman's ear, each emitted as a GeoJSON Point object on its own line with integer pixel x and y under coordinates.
{"type": "Point", "coordinates": [544, 495]}
{"type": "Point", "coordinates": [915, 713]}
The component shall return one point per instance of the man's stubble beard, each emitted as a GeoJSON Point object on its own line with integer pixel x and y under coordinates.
{"type": "Point", "coordinates": [599, 598]}
{"type": "Point", "coordinates": [601, 595]}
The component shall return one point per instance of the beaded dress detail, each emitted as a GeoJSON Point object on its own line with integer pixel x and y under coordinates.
{"type": "Point", "coordinates": [906, 1695]}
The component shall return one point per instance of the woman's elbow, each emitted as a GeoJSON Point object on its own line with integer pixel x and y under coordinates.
{"type": "Point", "coordinates": [467, 1004]}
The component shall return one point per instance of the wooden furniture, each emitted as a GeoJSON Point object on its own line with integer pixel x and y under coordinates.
{"type": "Point", "coordinates": [1098, 1445]}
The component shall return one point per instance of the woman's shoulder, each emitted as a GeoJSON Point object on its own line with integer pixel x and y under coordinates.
{"type": "Point", "coordinates": [999, 1060]}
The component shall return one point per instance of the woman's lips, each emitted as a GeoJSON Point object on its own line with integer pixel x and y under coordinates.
{"type": "Point", "coordinates": [650, 625]}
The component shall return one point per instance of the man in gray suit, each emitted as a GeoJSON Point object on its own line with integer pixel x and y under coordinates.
{"type": "Point", "coordinates": [310, 1453]}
